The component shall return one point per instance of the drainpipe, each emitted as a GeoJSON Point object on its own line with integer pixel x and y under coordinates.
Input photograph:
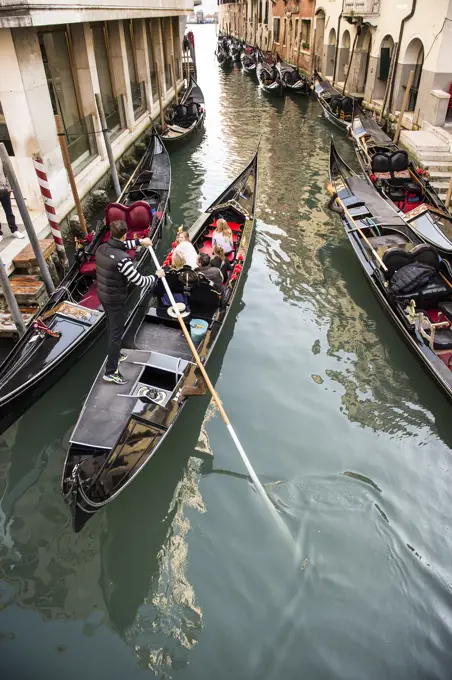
{"type": "Point", "coordinates": [402, 27]}
{"type": "Point", "coordinates": [337, 42]}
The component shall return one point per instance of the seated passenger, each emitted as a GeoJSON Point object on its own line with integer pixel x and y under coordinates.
{"type": "Point", "coordinates": [220, 260]}
{"type": "Point", "coordinates": [212, 273]}
{"type": "Point", "coordinates": [222, 236]}
{"type": "Point", "coordinates": [177, 261]}
{"type": "Point", "coordinates": [186, 249]}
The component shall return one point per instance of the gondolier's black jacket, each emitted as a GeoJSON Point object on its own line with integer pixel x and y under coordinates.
{"type": "Point", "coordinates": [114, 272]}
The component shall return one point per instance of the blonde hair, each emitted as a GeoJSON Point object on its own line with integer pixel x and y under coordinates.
{"type": "Point", "coordinates": [177, 261]}
{"type": "Point", "coordinates": [224, 228]}
{"type": "Point", "coordinates": [219, 252]}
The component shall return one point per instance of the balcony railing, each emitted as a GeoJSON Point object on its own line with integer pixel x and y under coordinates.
{"type": "Point", "coordinates": [361, 7]}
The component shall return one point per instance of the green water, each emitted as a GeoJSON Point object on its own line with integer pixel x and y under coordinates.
{"type": "Point", "coordinates": [186, 576]}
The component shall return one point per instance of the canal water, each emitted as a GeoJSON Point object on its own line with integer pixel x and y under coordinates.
{"type": "Point", "coordinates": [186, 575]}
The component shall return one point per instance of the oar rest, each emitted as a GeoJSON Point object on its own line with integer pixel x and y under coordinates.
{"type": "Point", "coordinates": [438, 334]}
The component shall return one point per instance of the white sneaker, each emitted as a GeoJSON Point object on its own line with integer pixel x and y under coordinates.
{"type": "Point", "coordinates": [18, 234]}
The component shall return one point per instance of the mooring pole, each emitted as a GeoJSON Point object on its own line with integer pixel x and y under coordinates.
{"type": "Point", "coordinates": [404, 105]}
{"type": "Point", "coordinates": [159, 87]}
{"type": "Point", "coordinates": [68, 166]}
{"type": "Point", "coordinates": [173, 73]}
{"type": "Point", "coordinates": [449, 194]}
{"type": "Point", "coordinates": [11, 300]}
{"type": "Point", "coordinates": [111, 158]}
{"type": "Point", "coordinates": [50, 210]}
{"type": "Point", "coordinates": [34, 241]}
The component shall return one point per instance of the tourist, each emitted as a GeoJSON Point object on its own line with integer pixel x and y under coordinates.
{"type": "Point", "coordinates": [212, 273]}
{"type": "Point", "coordinates": [186, 249]}
{"type": "Point", "coordinates": [220, 260]}
{"type": "Point", "coordinates": [222, 236]}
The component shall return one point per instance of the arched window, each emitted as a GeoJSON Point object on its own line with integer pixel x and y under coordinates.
{"type": "Point", "coordinates": [413, 61]}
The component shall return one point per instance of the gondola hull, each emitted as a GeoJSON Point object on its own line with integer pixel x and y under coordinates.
{"type": "Point", "coordinates": [110, 446]}
{"type": "Point", "coordinates": [46, 352]}
{"type": "Point", "coordinates": [299, 86]}
{"type": "Point", "coordinates": [325, 94]}
{"type": "Point", "coordinates": [408, 327]}
{"type": "Point", "coordinates": [273, 88]}
{"type": "Point", "coordinates": [176, 134]}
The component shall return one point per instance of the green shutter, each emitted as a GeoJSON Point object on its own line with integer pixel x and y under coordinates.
{"type": "Point", "coordinates": [385, 61]}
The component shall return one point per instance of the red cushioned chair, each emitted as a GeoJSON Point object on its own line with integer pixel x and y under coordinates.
{"type": "Point", "coordinates": [137, 216]}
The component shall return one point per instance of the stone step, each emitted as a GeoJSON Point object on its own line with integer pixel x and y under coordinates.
{"type": "Point", "coordinates": [421, 142]}
{"type": "Point", "coordinates": [441, 156]}
{"type": "Point", "coordinates": [29, 291]}
{"type": "Point", "coordinates": [435, 166]}
{"type": "Point", "coordinates": [7, 327]}
{"type": "Point", "coordinates": [26, 260]}
{"type": "Point", "coordinates": [440, 176]}
{"type": "Point", "coordinates": [440, 188]}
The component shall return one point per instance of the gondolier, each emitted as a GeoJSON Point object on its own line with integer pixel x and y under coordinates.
{"type": "Point", "coordinates": [114, 271]}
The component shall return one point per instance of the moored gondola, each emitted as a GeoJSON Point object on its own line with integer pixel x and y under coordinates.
{"type": "Point", "coordinates": [337, 108]}
{"type": "Point", "coordinates": [236, 50]}
{"type": "Point", "coordinates": [409, 278]}
{"type": "Point", "coordinates": [291, 79]}
{"type": "Point", "coordinates": [121, 427]}
{"type": "Point", "coordinates": [406, 187]}
{"type": "Point", "coordinates": [188, 116]}
{"type": "Point", "coordinates": [248, 59]}
{"type": "Point", "coordinates": [223, 53]}
{"type": "Point", "coordinates": [73, 319]}
{"type": "Point", "coordinates": [267, 75]}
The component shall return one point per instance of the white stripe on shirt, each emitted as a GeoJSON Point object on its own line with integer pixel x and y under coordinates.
{"type": "Point", "coordinates": [125, 267]}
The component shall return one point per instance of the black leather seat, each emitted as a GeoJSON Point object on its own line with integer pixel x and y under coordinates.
{"type": "Point", "coordinates": [396, 258]}
{"type": "Point", "coordinates": [347, 106]}
{"type": "Point", "coordinates": [443, 339]}
{"type": "Point", "coordinates": [335, 104]}
{"type": "Point", "coordinates": [180, 114]}
{"type": "Point", "coordinates": [426, 254]}
{"type": "Point", "coordinates": [204, 299]}
{"type": "Point", "coordinates": [192, 112]}
{"type": "Point", "coordinates": [381, 163]}
{"type": "Point", "coordinates": [446, 309]}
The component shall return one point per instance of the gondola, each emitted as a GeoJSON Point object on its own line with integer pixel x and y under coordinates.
{"type": "Point", "coordinates": [268, 76]}
{"type": "Point", "coordinates": [337, 109]}
{"type": "Point", "coordinates": [291, 80]}
{"type": "Point", "coordinates": [223, 53]}
{"type": "Point", "coordinates": [236, 50]}
{"type": "Point", "coordinates": [391, 253]}
{"type": "Point", "coordinates": [188, 116]}
{"type": "Point", "coordinates": [73, 319]}
{"type": "Point", "coordinates": [248, 59]}
{"type": "Point", "coordinates": [121, 427]}
{"type": "Point", "coordinates": [390, 170]}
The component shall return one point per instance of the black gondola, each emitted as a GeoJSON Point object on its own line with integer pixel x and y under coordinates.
{"type": "Point", "coordinates": [268, 76]}
{"type": "Point", "coordinates": [291, 79]}
{"type": "Point", "coordinates": [390, 254]}
{"type": "Point", "coordinates": [223, 53]}
{"type": "Point", "coordinates": [392, 173]}
{"type": "Point", "coordinates": [73, 319]}
{"type": "Point", "coordinates": [188, 116]}
{"type": "Point", "coordinates": [337, 109]}
{"type": "Point", "coordinates": [248, 59]}
{"type": "Point", "coordinates": [236, 50]}
{"type": "Point", "coordinates": [120, 428]}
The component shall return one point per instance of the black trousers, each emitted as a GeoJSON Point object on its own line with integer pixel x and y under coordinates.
{"type": "Point", "coordinates": [116, 319]}
{"type": "Point", "coordinates": [5, 200]}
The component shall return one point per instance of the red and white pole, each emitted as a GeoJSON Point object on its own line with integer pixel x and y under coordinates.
{"type": "Point", "coordinates": [50, 209]}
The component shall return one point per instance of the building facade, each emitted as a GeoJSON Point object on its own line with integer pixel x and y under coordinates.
{"type": "Point", "coordinates": [55, 58]}
{"type": "Point", "coordinates": [365, 47]}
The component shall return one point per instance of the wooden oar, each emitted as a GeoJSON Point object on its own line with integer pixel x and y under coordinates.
{"type": "Point", "coordinates": [358, 229]}
{"type": "Point", "coordinates": [217, 401]}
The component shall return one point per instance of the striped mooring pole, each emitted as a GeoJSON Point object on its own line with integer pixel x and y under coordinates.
{"type": "Point", "coordinates": [50, 210]}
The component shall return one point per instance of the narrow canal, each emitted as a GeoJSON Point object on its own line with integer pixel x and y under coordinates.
{"type": "Point", "coordinates": [185, 576]}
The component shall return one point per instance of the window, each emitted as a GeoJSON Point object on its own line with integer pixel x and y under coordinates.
{"type": "Point", "coordinates": [296, 36]}
{"type": "Point", "coordinates": [266, 13]}
{"type": "Point", "coordinates": [59, 69]}
{"type": "Point", "coordinates": [154, 85]}
{"type": "Point", "coordinates": [166, 52]}
{"type": "Point", "coordinates": [276, 29]}
{"type": "Point", "coordinates": [260, 11]}
{"type": "Point", "coordinates": [136, 88]}
{"type": "Point", "coordinates": [305, 33]}
{"type": "Point", "coordinates": [111, 104]}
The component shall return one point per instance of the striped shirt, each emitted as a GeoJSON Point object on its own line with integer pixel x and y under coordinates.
{"type": "Point", "coordinates": [125, 267]}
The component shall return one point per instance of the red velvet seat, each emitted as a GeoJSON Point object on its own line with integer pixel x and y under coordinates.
{"type": "Point", "coordinates": [137, 216]}
{"type": "Point", "coordinates": [88, 268]}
